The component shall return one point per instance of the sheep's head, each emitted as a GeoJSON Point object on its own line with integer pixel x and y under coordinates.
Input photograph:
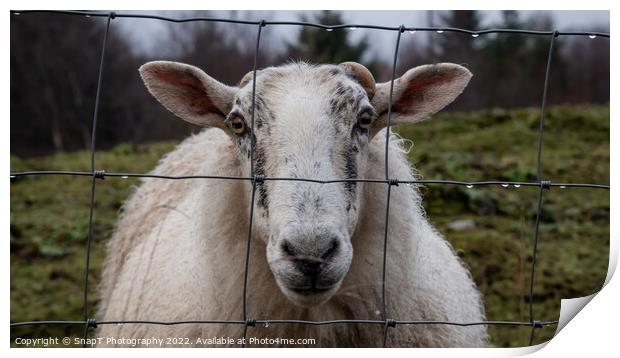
{"type": "Point", "coordinates": [310, 122]}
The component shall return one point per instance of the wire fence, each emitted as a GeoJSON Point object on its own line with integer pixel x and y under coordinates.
{"type": "Point", "coordinates": [247, 320]}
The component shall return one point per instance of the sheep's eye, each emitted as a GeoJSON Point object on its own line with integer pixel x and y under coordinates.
{"type": "Point", "coordinates": [364, 119]}
{"type": "Point", "coordinates": [236, 124]}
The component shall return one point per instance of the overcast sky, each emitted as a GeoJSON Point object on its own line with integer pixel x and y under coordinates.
{"type": "Point", "coordinates": [382, 42]}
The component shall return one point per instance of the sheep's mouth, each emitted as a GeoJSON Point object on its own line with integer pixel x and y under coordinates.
{"type": "Point", "coordinates": [310, 290]}
{"type": "Point", "coordinates": [308, 296]}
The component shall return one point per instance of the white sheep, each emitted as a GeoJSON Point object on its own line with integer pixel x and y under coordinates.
{"type": "Point", "coordinates": [178, 252]}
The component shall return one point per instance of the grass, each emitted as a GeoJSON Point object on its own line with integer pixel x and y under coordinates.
{"type": "Point", "coordinates": [49, 215]}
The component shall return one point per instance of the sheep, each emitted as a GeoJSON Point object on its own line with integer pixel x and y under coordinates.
{"type": "Point", "coordinates": [178, 252]}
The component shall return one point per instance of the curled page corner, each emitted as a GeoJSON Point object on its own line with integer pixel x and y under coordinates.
{"type": "Point", "coordinates": [569, 308]}
{"type": "Point", "coordinates": [523, 351]}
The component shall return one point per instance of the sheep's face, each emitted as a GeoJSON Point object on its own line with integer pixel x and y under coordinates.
{"type": "Point", "coordinates": [310, 122]}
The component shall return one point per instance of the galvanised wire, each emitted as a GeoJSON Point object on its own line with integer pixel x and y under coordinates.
{"type": "Point", "coordinates": [294, 321]}
{"type": "Point", "coordinates": [247, 321]}
{"type": "Point", "coordinates": [255, 180]}
{"type": "Point", "coordinates": [315, 25]}
{"type": "Point", "coordinates": [541, 132]}
{"type": "Point", "coordinates": [388, 323]}
{"type": "Point", "coordinates": [93, 169]}
{"type": "Point", "coordinates": [101, 174]}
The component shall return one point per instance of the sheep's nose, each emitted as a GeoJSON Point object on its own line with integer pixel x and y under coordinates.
{"type": "Point", "coordinates": [310, 263]}
{"type": "Point", "coordinates": [310, 258]}
{"type": "Point", "coordinates": [323, 250]}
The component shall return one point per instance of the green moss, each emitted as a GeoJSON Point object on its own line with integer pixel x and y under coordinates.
{"type": "Point", "coordinates": [574, 232]}
{"type": "Point", "coordinates": [49, 215]}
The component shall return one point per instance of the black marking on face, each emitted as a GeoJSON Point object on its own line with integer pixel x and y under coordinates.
{"type": "Point", "coordinates": [333, 109]}
{"type": "Point", "coordinates": [301, 206]}
{"type": "Point", "coordinates": [343, 108]}
{"type": "Point", "coordinates": [258, 118]}
{"type": "Point", "coordinates": [335, 70]}
{"type": "Point", "coordinates": [350, 172]}
{"type": "Point", "coordinates": [259, 169]}
{"type": "Point", "coordinates": [345, 102]}
{"type": "Point", "coordinates": [318, 203]}
{"type": "Point", "coordinates": [263, 117]}
{"type": "Point", "coordinates": [340, 89]}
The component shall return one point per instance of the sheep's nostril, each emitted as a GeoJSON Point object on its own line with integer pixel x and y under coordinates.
{"type": "Point", "coordinates": [332, 250]}
{"type": "Point", "coordinates": [287, 248]}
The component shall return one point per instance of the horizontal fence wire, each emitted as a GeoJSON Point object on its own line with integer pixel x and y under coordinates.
{"type": "Point", "coordinates": [315, 25]}
{"type": "Point", "coordinates": [502, 183]}
{"type": "Point", "coordinates": [539, 324]}
{"type": "Point", "coordinates": [247, 321]}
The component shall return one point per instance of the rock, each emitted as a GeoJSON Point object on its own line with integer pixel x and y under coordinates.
{"type": "Point", "coordinates": [460, 225]}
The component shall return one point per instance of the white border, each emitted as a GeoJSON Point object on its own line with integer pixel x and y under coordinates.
{"type": "Point", "coordinates": [592, 330]}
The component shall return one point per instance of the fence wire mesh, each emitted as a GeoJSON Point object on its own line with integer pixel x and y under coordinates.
{"type": "Point", "coordinates": [247, 320]}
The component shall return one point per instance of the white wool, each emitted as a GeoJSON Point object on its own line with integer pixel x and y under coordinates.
{"type": "Point", "coordinates": [178, 254]}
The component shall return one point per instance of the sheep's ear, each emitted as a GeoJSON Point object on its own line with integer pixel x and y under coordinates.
{"type": "Point", "coordinates": [188, 92]}
{"type": "Point", "coordinates": [420, 93]}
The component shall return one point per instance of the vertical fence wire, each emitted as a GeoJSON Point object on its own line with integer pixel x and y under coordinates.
{"type": "Point", "coordinates": [390, 183]}
{"type": "Point", "coordinates": [95, 175]}
{"type": "Point", "coordinates": [259, 180]}
{"type": "Point", "coordinates": [255, 180]}
{"type": "Point", "coordinates": [542, 187]}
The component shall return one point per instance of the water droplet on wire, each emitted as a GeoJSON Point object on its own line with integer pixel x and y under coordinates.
{"type": "Point", "coordinates": [352, 28]}
{"type": "Point", "coordinates": [562, 186]}
{"type": "Point", "coordinates": [412, 31]}
{"type": "Point", "coordinates": [517, 185]}
{"type": "Point", "coordinates": [469, 186]}
{"type": "Point", "coordinates": [125, 177]}
{"type": "Point", "coordinates": [505, 185]}
{"type": "Point", "coordinates": [329, 30]}
{"type": "Point", "coordinates": [592, 36]}
{"type": "Point", "coordinates": [440, 31]}
{"type": "Point", "coordinates": [12, 176]}
{"type": "Point", "coordinates": [475, 35]}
